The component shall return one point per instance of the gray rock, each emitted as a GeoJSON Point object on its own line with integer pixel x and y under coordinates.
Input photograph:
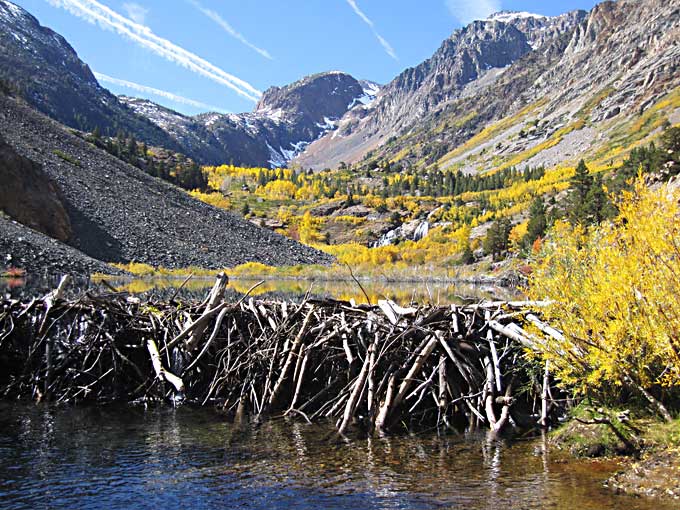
{"type": "Point", "coordinates": [118, 213]}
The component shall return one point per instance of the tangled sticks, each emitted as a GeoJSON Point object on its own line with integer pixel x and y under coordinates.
{"type": "Point", "coordinates": [381, 368]}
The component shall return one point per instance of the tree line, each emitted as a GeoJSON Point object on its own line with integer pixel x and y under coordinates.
{"type": "Point", "coordinates": [177, 169]}
{"type": "Point", "coordinates": [592, 197]}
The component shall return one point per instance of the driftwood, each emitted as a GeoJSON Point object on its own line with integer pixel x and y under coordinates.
{"type": "Point", "coordinates": [381, 368]}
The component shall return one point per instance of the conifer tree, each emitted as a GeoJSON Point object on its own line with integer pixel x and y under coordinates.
{"type": "Point", "coordinates": [580, 186]}
{"type": "Point", "coordinates": [537, 222]}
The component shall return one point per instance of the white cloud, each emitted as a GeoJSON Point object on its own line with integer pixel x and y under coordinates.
{"type": "Point", "coordinates": [387, 46]}
{"type": "Point", "coordinates": [229, 29]}
{"type": "Point", "coordinates": [136, 12]}
{"type": "Point", "coordinates": [157, 92]}
{"type": "Point", "coordinates": [99, 14]}
{"type": "Point", "coordinates": [467, 11]}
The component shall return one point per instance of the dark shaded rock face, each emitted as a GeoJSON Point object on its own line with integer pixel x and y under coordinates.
{"type": "Point", "coordinates": [312, 100]}
{"type": "Point", "coordinates": [46, 69]}
{"type": "Point", "coordinates": [29, 196]}
{"type": "Point", "coordinates": [38, 254]}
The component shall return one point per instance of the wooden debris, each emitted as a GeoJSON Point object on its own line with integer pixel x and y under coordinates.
{"type": "Point", "coordinates": [382, 368]}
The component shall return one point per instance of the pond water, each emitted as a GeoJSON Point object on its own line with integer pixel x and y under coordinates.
{"type": "Point", "coordinates": [132, 457]}
{"type": "Point", "coordinates": [442, 293]}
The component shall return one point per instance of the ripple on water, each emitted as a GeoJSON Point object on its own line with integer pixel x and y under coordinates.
{"type": "Point", "coordinates": [130, 457]}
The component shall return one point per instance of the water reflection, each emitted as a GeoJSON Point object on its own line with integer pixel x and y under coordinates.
{"type": "Point", "coordinates": [132, 457]}
{"type": "Point", "coordinates": [442, 293]}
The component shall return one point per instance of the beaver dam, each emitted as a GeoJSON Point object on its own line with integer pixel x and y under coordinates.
{"type": "Point", "coordinates": [378, 368]}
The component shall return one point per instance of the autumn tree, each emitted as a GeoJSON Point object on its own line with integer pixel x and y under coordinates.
{"type": "Point", "coordinates": [613, 292]}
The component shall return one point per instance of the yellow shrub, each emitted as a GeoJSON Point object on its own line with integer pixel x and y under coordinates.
{"type": "Point", "coordinates": [615, 292]}
{"type": "Point", "coordinates": [251, 269]}
{"type": "Point", "coordinates": [214, 199]}
{"type": "Point", "coordinates": [308, 229]}
{"type": "Point", "coordinates": [517, 234]}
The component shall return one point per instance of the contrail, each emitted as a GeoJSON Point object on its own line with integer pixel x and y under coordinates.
{"type": "Point", "coordinates": [383, 42]}
{"type": "Point", "coordinates": [229, 29]}
{"type": "Point", "coordinates": [467, 11]}
{"type": "Point", "coordinates": [99, 14]}
{"type": "Point", "coordinates": [157, 92]}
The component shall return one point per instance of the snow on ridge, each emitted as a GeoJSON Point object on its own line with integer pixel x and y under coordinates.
{"type": "Point", "coordinates": [327, 123]}
{"type": "Point", "coordinates": [507, 16]}
{"type": "Point", "coordinates": [370, 88]}
{"type": "Point", "coordinates": [274, 115]}
{"type": "Point", "coordinates": [12, 8]}
{"type": "Point", "coordinates": [211, 119]}
{"type": "Point", "coordinates": [370, 93]}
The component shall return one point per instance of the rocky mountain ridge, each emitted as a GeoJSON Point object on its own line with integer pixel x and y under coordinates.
{"type": "Point", "coordinates": [50, 75]}
{"type": "Point", "coordinates": [493, 69]}
{"type": "Point", "coordinates": [618, 59]}
{"type": "Point", "coordinates": [284, 122]}
{"type": "Point", "coordinates": [468, 61]}
{"type": "Point", "coordinates": [44, 67]}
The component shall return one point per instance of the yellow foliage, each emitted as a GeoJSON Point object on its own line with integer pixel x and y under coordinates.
{"type": "Point", "coordinates": [491, 131]}
{"type": "Point", "coordinates": [438, 249]}
{"type": "Point", "coordinates": [373, 201]}
{"type": "Point", "coordinates": [308, 229]}
{"type": "Point", "coordinates": [217, 174]}
{"type": "Point", "coordinates": [137, 268]}
{"type": "Point", "coordinates": [215, 199]}
{"type": "Point", "coordinates": [278, 190]}
{"type": "Point", "coordinates": [352, 220]}
{"type": "Point", "coordinates": [517, 234]}
{"type": "Point", "coordinates": [251, 269]}
{"type": "Point", "coordinates": [555, 139]}
{"type": "Point", "coordinates": [615, 291]}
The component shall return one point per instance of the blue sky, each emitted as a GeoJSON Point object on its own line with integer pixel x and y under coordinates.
{"type": "Point", "coordinates": [200, 55]}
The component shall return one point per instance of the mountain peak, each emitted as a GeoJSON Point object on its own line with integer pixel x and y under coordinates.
{"type": "Point", "coordinates": [508, 16]}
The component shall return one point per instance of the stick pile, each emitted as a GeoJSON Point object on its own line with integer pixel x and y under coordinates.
{"type": "Point", "coordinates": [380, 368]}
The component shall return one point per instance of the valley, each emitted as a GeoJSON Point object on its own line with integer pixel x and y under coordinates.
{"type": "Point", "coordinates": [478, 257]}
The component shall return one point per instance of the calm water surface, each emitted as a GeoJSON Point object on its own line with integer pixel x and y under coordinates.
{"type": "Point", "coordinates": [441, 293]}
{"type": "Point", "coordinates": [127, 457]}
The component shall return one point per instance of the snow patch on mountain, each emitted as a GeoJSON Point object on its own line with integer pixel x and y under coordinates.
{"type": "Point", "coordinates": [327, 124]}
{"type": "Point", "coordinates": [275, 115]}
{"type": "Point", "coordinates": [370, 93]}
{"type": "Point", "coordinates": [12, 9]}
{"type": "Point", "coordinates": [509, 16]}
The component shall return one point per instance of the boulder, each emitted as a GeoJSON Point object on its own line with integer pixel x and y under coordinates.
{"type": "Point", "coordinates": [30, 196]}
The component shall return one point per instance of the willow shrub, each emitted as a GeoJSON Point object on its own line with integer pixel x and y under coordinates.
{"type": "Point", "coordinates": [616, 296]}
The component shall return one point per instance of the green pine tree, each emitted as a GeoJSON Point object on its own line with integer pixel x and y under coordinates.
{"type": "Point", "coordinates": [580, 186]}
{"type": "Point", "coordinates": [538, 222]}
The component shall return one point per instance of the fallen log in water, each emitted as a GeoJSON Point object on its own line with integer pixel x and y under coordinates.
{"type": "Point", "coordinates": [380, 367]}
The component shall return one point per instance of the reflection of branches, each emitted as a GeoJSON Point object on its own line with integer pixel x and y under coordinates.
{"type": "Point", "coordinates": [351, 273]}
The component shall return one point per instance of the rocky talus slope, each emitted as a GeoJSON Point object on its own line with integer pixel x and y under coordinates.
{"type": "Point", "coordinates": [38, 254]}
{"type": "Point", "coordinates": [120, 214]}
